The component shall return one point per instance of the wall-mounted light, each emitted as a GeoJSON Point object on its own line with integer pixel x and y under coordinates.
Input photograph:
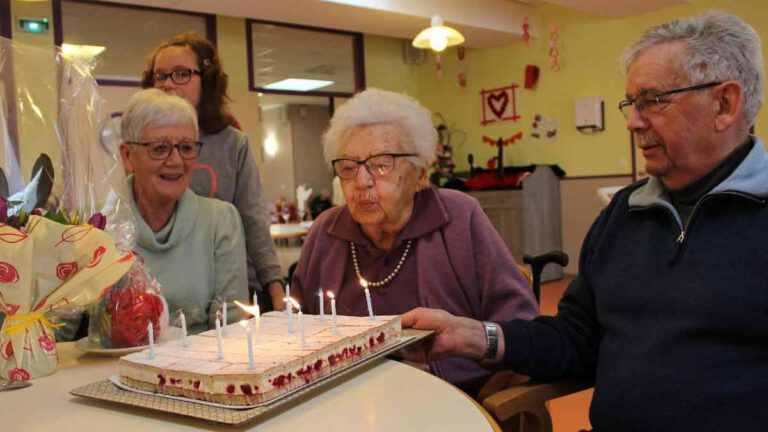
{"type": "Point", "coordinates": [270, 145]}
{"type": "Point", "coordinates": [74, 50]}
{"type": "Point", "coordinates": [438, 37]}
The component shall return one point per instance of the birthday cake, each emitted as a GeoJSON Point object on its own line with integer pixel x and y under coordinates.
{"type": "Point", "coordinates": [282, 361]}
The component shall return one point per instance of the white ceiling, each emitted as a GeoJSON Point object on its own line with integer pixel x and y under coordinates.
{"type": "Point", "coordinates": [484, 23]}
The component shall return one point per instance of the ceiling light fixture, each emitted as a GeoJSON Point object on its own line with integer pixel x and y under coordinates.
{"type": "Point", "coordinates": [438, 37]}
{"type": "Point", "coordinates": [297, 84]}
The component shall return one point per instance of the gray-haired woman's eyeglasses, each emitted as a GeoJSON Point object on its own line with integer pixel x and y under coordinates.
{"type": "Point", "coordinates": [377, 165]}
{"type": "Point", "coordinates": [161, 150]}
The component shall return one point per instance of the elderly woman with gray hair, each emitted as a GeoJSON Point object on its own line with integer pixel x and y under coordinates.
{"type": "Point", "coordinates": [410, 244]}
{"type": "Point", "coordinates": [192, 245]}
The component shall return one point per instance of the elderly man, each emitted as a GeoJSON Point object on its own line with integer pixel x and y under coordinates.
{"type": "Point", "coordinates": [669, 312]}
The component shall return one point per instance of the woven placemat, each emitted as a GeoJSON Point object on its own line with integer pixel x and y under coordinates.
{"type": "Point", "coordinates": [106, 391]}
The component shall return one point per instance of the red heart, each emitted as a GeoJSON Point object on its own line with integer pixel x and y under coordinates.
{"type": "Point", "coordinates": [497, 102]}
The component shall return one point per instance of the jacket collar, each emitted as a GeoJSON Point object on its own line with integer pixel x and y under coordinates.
{"type": "Point", "coordinates": [750, 178]}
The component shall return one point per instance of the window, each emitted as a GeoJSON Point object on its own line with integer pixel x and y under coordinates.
{"type": "Point", "coordinates": [326, 62]}
{"type": "Point", "coordinates": [128, 34]}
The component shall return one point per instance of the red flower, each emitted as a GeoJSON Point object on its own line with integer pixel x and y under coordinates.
{"type": "Point", "coordinates": [18, 374]}
{"type": "Point", "coordinates": [64, 270]}
{"type": "Point", "coordinates": [47, 343]}
{"type": "Point", "coordinates": [6, 350]}
{"type": "Point", "coordinates": [8, 273]}
{"type": "Point", "coordinates": [131, 309]}
{"type": "Point", "coordinates": [97, 255]}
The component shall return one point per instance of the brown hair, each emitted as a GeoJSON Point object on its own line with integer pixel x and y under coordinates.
{"type": "Point", "coordinates": [212, 112]}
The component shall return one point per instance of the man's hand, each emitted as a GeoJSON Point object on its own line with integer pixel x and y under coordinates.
{"type": "Point", "coordinates": [454, 336]}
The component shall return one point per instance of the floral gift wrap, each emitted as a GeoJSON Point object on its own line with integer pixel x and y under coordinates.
{"type": "Point", "coordinates": [46, 266]}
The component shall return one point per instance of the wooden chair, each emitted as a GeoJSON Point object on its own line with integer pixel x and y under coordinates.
{"type": "Point", "coordinates": [515, 401]}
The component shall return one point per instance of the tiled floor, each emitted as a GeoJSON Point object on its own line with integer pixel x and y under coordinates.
{"type": "Point", "coordinates": [570, 413]}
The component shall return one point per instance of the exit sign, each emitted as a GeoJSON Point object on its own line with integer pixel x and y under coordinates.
{"type": "Point", "coordinates": [33, 25]}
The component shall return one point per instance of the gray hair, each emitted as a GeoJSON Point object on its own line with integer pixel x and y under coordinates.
{"type": "Point", "coordinates": [155, 108]}
{"type": "Point", "coordinates": [374, 106]}
{"type": "Point", "coordinates": [720, 47]}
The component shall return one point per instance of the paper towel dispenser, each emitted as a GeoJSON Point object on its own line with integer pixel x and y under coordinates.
{"type": "Point", "coordinates": [590, 115]}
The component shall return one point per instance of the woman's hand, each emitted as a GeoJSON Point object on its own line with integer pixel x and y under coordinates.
{"type": "Point", "coordinates": [276, 293]}
{"type": "Point", "coordinates": [454, 336]}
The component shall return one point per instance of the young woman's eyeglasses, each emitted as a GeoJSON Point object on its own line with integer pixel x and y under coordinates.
{"type": "Point", "coordinates": [161, 150]}
{"type": "Point", "coordinates": [377, 165]}
{"type": "Point", "coordinates": [179, 76]}
{"type": "Point", "coordinates": [650, 103]}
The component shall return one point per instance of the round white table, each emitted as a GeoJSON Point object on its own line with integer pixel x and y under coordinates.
{"type": "Point", "coordinates": [389, 396]}
{"type": "Point", "coordinates": [289, 231]}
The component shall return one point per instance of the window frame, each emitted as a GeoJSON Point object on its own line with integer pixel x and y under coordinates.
{"type": "Point", "coordinates": [58, 28]}
{"type": "Point", "coordinates": [358, 59]}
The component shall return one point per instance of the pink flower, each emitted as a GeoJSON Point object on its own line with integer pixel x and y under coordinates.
{"type": "Point", "coordinates": [18, 374]}
{"type": "Point", "coordinates": [47, 343]}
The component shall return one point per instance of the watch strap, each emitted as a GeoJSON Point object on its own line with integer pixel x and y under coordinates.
{"type": "Point", "coordinates": [492, 338]}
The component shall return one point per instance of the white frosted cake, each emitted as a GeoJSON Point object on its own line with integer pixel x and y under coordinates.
{"type": "Point", "coordinates": [281, 362]}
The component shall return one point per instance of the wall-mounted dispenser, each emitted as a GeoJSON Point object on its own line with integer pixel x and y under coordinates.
{"type": "Point", "coordinates": [590, 115]}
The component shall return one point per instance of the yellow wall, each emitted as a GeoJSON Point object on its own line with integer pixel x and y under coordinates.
{"type": "Point", "coordinates": [589, 50]}
{"type": "Point", "coordinates": [385, 68]}
{"type": "Point", "coordinates": [37, 108]}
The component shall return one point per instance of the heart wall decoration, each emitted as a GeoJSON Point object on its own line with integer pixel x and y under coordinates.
{"type": "Point", "coordinates": [499, 104]}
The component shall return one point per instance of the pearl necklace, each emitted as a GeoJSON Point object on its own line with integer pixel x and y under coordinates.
{"type": "Point", "coordinates": [386, 280]}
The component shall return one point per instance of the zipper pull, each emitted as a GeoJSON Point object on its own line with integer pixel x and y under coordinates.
{"type": "Point", "coordinates": [681, 237]}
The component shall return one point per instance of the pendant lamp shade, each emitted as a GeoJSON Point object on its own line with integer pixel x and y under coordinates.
{"type": "Point", "coordinates": [438, 37]}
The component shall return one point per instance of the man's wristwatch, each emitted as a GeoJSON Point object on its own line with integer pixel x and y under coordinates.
{"type": "Point", "coordinates": [492, 337]}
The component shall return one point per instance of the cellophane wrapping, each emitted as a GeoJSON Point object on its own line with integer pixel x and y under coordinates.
{"type": "Point", "coordinates": [76, 245]}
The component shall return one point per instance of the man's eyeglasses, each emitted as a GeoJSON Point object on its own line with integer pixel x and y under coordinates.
{"type": "Point", "coordinates": [650, 103]}
{"type": "Point", "coordinates": [179, 76]}
{"type": "Point", "coordinates": [377, 165]}
{"type": "Point", "coordinates": [161, 150]}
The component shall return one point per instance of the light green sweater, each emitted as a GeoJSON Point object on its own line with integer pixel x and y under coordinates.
{"type": "Point", "coordinates": [198, 258]}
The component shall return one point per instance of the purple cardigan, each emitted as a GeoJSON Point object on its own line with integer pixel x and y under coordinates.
{"type": "Point", "coordinates": [463, 266]}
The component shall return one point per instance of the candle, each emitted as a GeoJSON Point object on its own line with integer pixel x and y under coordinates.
{"type": "Point", "coordinates": [301, 323]}
{"type": "Point", "coordinates": [218, 340]}
{"type": "Point", "coordinates": [184, 340]}
{"type": "Point", "coordinates": [289, 309]}
{"type": "Point", "coordinates": [287, 295]}
{"type": "Point", "coordinates": [249, 337]}
{"type": "Point", "coordinates": [224, 315]}
{"type": "Point", "coordinates": [333, 312]}
{"type": "Point", "coordinates": [364, 283]}
{"type": "Point", "coordinates": [322, 304]}
{"type": "Point", "coordinates": [151, 334]}
{"type": "Point", "coordinates": [255, 311]}
{"type": "Point", "coordinates": [255, 300]}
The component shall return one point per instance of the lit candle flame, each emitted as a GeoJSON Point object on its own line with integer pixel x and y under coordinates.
{"type": "Point", "coordinates": [330, 294]}
{"type": "Point", "coordinates": [253, 310]}
{"type": "Point", "coordinates": [295, 303]}
{"type": "Point", "coordinates": [364, 283]}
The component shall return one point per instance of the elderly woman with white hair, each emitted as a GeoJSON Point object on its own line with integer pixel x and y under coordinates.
{"type": "Point", "coordinates": [410, 244]}
{"type": "Point", "coordinates": [192, 245]}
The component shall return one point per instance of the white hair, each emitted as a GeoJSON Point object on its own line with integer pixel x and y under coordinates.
{"type": "Point", "coordinates": [375, 106]}
{"type": "Point", "coordinates": [720, 46]}
{"type": "Point", "coordinates": [153, 108]}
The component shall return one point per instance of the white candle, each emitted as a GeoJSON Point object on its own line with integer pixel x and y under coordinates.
{"type": "Point", "coordinates": [184, 340]}
{"type": "Point", "coordinates": [255, 300]}
{"type": "Point", "coordinates": [218, 340]}
{"type": "Point", "coordinates": [151, 334]}
{"type": "Point", "coordinates": [301, 329]}
{"type": "Point", "coordinates": [322, 304]}
{"type": "Point", "coordinates": [289, 310]}
{"type": "Point", "coordinates": [224, 315]}
{"type": "Point", "coordinates": [287, 295]}
{"type": "Point", "coordinates": [333, 312]}
{"type": "Point", "coordinates": [364, 283]}
{"type": "Point", "coordinates": [257, 323]}
{"type": "Point", "coordinates": [249, 336]}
